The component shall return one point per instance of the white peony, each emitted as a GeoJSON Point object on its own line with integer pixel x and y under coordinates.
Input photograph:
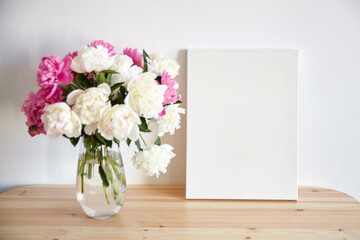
{"type": "Point", "coordinates": [145, 95]}
{"type": "Point", "coordinates": [158, 63]}
{"type": "Point", "coordinates": [119, 122]}
{"type": "Point", "coordinates": [153, 159]}
{"type": "Point", "coordinates": [92, 59]}
{"type": "Point", "coordinates": [90, 104]}
{"type": "Point", "coordinates": [168, 122]}
{"type": "Point", "coordinates": [59, 119]}
{"type": "Point", "coordinates": [123, 64]}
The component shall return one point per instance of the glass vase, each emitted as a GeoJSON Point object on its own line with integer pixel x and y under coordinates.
{"type": "Point", "coordinates": [101, 183]}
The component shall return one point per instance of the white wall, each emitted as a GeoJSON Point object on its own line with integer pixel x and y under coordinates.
{"type": "Point", "coordinates": [327, 33]}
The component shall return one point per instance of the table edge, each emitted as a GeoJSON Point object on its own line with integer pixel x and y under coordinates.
{"type": "Point", "coordinates": [159, 186]}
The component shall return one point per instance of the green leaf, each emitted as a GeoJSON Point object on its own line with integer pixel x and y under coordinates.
{"type": "Point", "coordinates": [143, 127]}
{"type": "Point", "coordinates": [87, 141]}
{"type": "Point", "coordinates": [120, 98]}
{"type": "Point", "coordinates": [80, 76]}
{"type": "Point", "coordinates": [158, 78]}
{"type": "Point", "coordinates": [103, 176]}
{"type": "Point", "coordinates": [128, 141]}
{"type": "Point", "coordinates": [123, 91]}
{"type": "Point", "coordinates": [177, 102]}
{"type": "Point", "coordinates": [74, 141]}
{"type": "Point", "coordinates": [84, 81]}
{"type": "Point", "coordinates": [99, 138]}
{"type": "Point", "coordinates": [158, 141]}
{"type": "Point", "coordinates": [65, 87]}
{"type": "Point", "coordinates": [108, 78]}
{"type": "Point", "coordinates": [102, 140]}
{"type": "Point", "coordinates": [102, 78]}
{"type": "Point", "coordinates": [109, 71]}
{"type": "Point", "coordinates": [117, 141]}
{"type": "Point", "coordinates": [145, 57]}
{"type": "Point", "coordinates": [116, 85]}
{"type": "Point", "coordinates": [94, 74]}
{"type": "Point", "coordinates": [137, 143]}
{"type": "Point", "coordinates": [121, 95]}
{"type": "Point", "coordinates": [77, 82]}
{"type": "Point", "coordinates": [90, 144]}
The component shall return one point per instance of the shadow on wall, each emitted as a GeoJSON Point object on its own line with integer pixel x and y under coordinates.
{"type": "Point", "coordinates": [177, 168]}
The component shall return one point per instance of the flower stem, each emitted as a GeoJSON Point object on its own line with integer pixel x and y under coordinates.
{"type": "Point", "coordinates": [89, 175]}
{"type": "Point", "coordinates": [81, 172]}
{"type": "Point", "coordinates": [142, 139]}
{"type": "Point", "coordinates": [72, 83]}
{"type": "Point", "coordinates": [107, 175]}
{"type": "Point", "coordinates": [116, 171]}
{"type": "Point", "coordinates": [106, 195]}
{"type": "Point", "coordinates": [82, 182]}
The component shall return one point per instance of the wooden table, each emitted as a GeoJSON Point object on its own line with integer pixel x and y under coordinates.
{"type": "Point", "coordinates": [161, 212]}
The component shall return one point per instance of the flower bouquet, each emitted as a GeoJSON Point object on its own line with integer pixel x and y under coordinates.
{"type": "Point", "coordinates": [103, 97]}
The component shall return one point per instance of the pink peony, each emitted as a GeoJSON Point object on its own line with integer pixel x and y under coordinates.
{"type": "Point", "coordinates": [170, 95]}
{"type": "Point", "coordinates": [109, 47]}
{"type": "Point", "coordinates": [162, 113]}
{"type": "Point", "coordinates": [135, 56]}
{"type": "Point", "coordinates": [34, 105]}
{"type": "Point", "coordinates": [72, 54]}
{"type": "Point", "coordinates": [53, 71]}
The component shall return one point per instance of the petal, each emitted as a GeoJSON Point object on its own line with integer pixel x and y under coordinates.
{"type": "Point", "coordinates": [71, 98]}
{"type": "Point", "coordinates": [65, 78]}
{"type": "Point", "coordinates": [162, 113]}
{"type": "Point", "coordinates": [134, 134]}
{"type": "Point", "coordinates": [52, 91]}
{"type": "Point", "coordinates": [152, 69]}
{"type": "Point", "coordinates": [67, 61]}
{"type": "Point", "coordinates": [90, 128]}
{"type": "Point", "coordinates": [106, 87]}
{"type": "Point", "coordinates": [75, 66]}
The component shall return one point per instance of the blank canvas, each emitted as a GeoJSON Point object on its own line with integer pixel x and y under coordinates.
{"type": "Point", "coordinates": [242, 124]}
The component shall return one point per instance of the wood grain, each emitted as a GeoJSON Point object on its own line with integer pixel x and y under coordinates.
{"type": "Point", "coordinates": [161, 212]}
